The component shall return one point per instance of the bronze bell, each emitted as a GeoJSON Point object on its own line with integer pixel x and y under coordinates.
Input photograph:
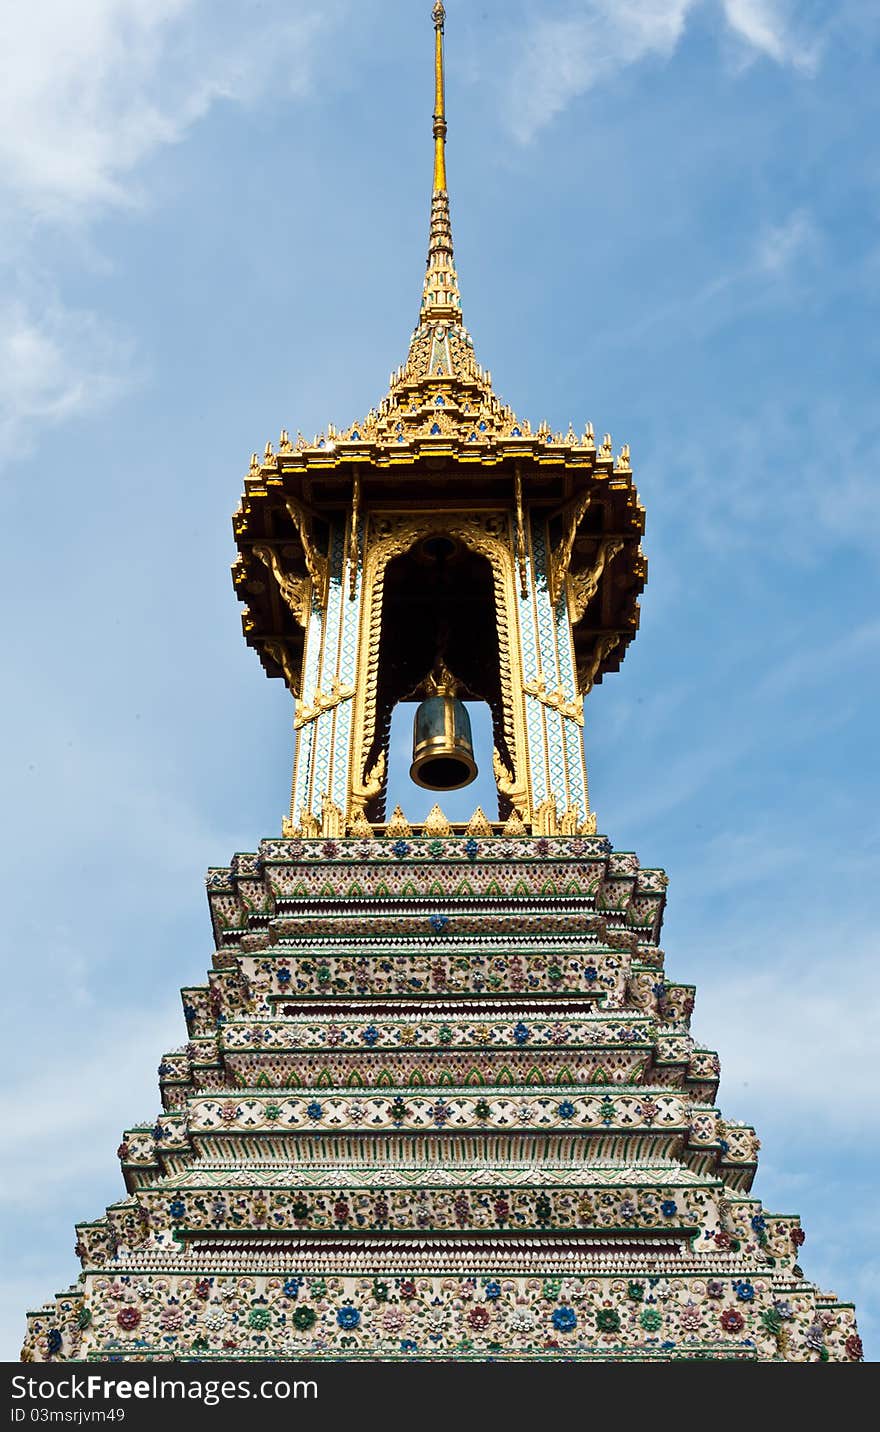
{"type": "Point", "coordinates": [443, 749]}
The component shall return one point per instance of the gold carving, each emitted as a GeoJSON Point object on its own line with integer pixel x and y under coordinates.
{"type": "Point", "coordinates": [361, 827]}
{"type": "Point", "coordinates": [520, 533]}
{"type": "Point", "coordinates": [555, 699]}
{"type": "Point", "coordinates": [279, 654]}
{"type": "Point", "coordinates": [582, 586]}
{"type": "Point", "coordinates": [398, 827]}
{"type": "Point", "coordinates": [309, 824]}
{"type": "Point", "coordinates": [289, 829]}
{"type": "Point", "coordinates": [321, 703]}
{"type": "Point", "coordinates": [513, 825]}
{"type": "Point", "coordinates": [589, 670]}
{"type": "Point", "coordinates": [436, 823]}
{"type": "Point", "coordinates": [353, 553]}
{"type": "Point", "coordinates": [316, 563]}
{"type": "Point", "coordinates": [479, 823]}
{"type": "Point", "coordinates": [505, 779]}
{"type": "Point", "coordinates": [572, 515]}
{"type": "Point", "coordinates": [438, 682]}
{"type": "Point", "coordinates": [294, 591]}
{"type": "Point", "coordinates": [367, 790]}
{"type": "Point", "coordinates": [332, 819]}
{"type": "Point", "coordinates": [546, 821]}
{"type": "Point", "coordinates": [589, 825]}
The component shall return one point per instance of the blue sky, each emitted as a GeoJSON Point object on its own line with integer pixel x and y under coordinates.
{"type": "Point", "coordinates": [214, 220]}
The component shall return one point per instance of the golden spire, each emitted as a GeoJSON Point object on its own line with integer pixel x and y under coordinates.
{"type": "Point", "coordinates": [441, 301]}
{"type": "Point", "coordinates": [439, 101]}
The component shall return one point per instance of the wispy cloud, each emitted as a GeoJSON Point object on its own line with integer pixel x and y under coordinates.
{"type": "Point", "coordinates": [88, 93]}
{"type": "Point", "coordinates": [766, 26]}
{"type": "Point", "coordinates": [773, 269]}
{"type": "Point", "coordinates": [796, 671]}
{"type": "Point", "coordinates": [55, 363]}
{"type": "Point", "coordinates": [781, 245]}
{"type": "Point", "coordinates": [90, 90]}
{"type": "Point", "coordinates": [795, 1039]}
{"type": "Point", "coordinates": [748, 508]}
{"type": "Point", "coordinates": [683, 777]}
{"type": "Point", "coordinates": [563, 55]}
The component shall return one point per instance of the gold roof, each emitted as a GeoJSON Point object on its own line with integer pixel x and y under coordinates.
{"type": "Point", "coordinates": [441, 397]}
{"type": "Point", "coordinates": [441, 430]}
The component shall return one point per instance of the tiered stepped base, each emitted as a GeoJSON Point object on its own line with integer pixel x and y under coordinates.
{"type": "Point", "coordinates": [440, 1101]}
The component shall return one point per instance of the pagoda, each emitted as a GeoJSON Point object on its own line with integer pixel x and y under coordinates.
{"type": "Point", "coordinates": [439, 1098]}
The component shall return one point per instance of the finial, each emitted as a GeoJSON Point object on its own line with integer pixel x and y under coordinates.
{"type": "Point", "coordinates": [439, 101]}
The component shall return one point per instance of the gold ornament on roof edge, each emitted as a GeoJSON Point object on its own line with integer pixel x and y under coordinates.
{"type": "Point", "coordinates": [479, 823]}
{"type": "Point", "coordinates": [436, 823]}
{"type": "Point", "coordinates": [398, 827]}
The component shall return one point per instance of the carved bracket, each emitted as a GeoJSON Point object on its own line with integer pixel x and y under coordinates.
{"type": "Point", "coordinates": [588, 671]}
{"type": "Point", "coordinates": [279, 653]}
{"type": "Point", "coordinates": [572, 515]}
{"type": "Point", "coordinates": [317, 564]}
{"type": "Point", "coordinates": [582, 586]}
{"type": "Point", "coordinates": [294, 591]}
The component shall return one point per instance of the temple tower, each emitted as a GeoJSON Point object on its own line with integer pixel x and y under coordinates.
{"type": "Point", "coordinates": [439, 1098]}
{"type": "Point", "coordinates": [441, 527]}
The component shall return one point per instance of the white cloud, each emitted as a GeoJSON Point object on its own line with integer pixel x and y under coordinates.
{"type": "Point", "coordinates": [781, 245]}
{"type": "Point", "coordinates": [764, 25]}
{"type": "Point", "coordinates": [562, 56]}
{"type": "Point", "coordinates": [796, 1039]}
{"type": "Point", "coordinates": [90, 90]}
{"type": "Point", "coordinates": [54, 363]}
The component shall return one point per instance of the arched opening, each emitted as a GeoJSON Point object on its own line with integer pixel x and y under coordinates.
{"type": "Point", "coordinates": [438, 607]}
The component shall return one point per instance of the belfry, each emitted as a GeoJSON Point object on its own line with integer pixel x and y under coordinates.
{"type": "Point", "coordinates": [439, 1098]}
{"type": "Point", "coordinates": [440, 534]}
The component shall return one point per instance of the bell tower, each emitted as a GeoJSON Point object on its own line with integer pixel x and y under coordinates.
{"type": "Point", "coordinates": [440, 550]}
{"type": "Point", "coordinates": [439, 1100]}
